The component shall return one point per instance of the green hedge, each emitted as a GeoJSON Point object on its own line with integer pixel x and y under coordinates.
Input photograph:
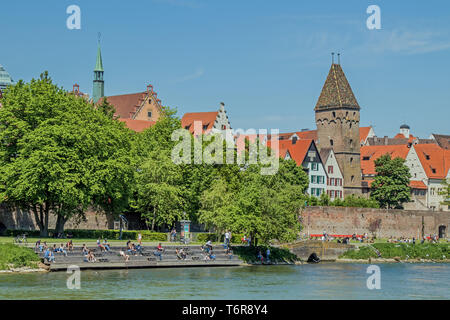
{"type": "Point", "coordinates": [95, 234]}
{"type": "Point", "coordinates": [203, 237]}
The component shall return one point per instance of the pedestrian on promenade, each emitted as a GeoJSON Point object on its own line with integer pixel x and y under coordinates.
{"type": "Point", "coordinates": [227, 239]}
{"type": "Point", "coordinates": [140, 238]}
{"type": "Point", "coordinates": [268, 254]}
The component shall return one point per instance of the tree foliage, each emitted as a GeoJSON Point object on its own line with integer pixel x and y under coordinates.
{"type": "Point", "coordinates": [391, 184]}
{"type": "Point", "coordinates": [59, 155]}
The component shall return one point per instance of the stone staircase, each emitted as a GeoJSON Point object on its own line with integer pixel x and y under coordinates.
{"type": "Point", "coordinates": [112, 259]}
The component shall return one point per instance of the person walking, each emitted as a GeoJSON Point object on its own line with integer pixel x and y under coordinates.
{"type": "Point", "coordinates": [268, 255]}
{"type": "Point", "coordinates": [227, 239]}
{"type": "Point", "coordinates": [140, 238]}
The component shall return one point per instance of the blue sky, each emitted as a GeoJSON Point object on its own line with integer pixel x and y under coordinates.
{"type": "Point", "coordinates": [266, 60]}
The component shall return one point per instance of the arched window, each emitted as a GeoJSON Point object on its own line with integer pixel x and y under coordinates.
{"type": "Point", "coordinates": [334, 114]}
{"type": "Point", "coordinates": [331, 142]}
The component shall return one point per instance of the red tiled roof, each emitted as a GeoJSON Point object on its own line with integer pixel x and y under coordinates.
{"type": "Point", "coordinates": [299, 150]}
{"type": "Point", "coordinates": [126, 103]}
{"type": "Point", "coordinates": [137, 125]}
{"type": "Point", "coordinates": [207, 119]}
{"type": "Point", "coordinates": [375, 152]}
{"type": "Point", "coordinates": [434, 159]}
{"type": "Point", "coordinates": [310, 134]}
{"type": "Point", "coordinates": [363, 133]}
{"type": "Point", "coordinates": [417, 185]}
{"type": "Point", "coordinates": [401, 136]}
{"type": "Point", "coordinates": [282, 147]}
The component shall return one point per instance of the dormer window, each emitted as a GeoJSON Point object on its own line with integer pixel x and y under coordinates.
{"type": "Point", "coordinates": [433, 170]}
{"type": "Point", "coordinates": [366, 158]}
{"type": "Point", "coordinates": [205, 127]}
{"type": "Point", "coordinates": [427, 157]}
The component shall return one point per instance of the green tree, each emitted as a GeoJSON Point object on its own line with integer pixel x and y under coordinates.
{"type": "Point", "coordinates": [391, 184]}
{"type": "Point", "coordinates": [59, 155]}
{"type": "Point", "coordinates": [106, 108]}
{"type": "Point", "coordinates": [445, 192]}
{"type": "Point", "coordinates": [159, 190]}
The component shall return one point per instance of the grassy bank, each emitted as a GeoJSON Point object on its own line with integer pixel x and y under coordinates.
{"type": "Point", "coordinates": [403, 251]}
{"type": "Point", "coordinates": [250, 254]}
{"type": "Point", "coordinates": [12, 256]}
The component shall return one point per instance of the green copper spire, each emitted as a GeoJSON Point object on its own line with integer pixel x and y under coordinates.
{"type": "Point", "coordinates": [99, 84]}
{"type": "Point", "coordinates": [99, 63]}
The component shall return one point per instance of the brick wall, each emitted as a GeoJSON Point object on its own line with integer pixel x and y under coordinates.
{"type": "Point", "coordinates": [395, 223]}
{"type": "Point", "coordinates": [17, 219]}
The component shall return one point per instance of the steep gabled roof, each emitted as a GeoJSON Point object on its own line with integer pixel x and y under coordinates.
{"type": "Point", "coordinates": [207, 119]}
{"type": "Point", "coordinates": [364, 133]}
{"type": "Point", "coordinates": [442, 140]}
{"type": "Point", "coordinates": [137, 125]}
{"type": "Point", "coordinates": [370, 153]}
{"type": "Point", "coordinates": [336, 91]}
{"type": "Point", "coordinates": [299, 150]}
{"type": "Point", "coordinates": [434, 159]}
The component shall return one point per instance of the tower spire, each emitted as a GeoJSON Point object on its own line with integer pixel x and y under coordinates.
{"type": "Point", "coordinates": [99, 84]}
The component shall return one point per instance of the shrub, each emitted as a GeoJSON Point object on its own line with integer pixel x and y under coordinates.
{"type": "Point", "coordinates": [15, 256]}
{"type": "Point", "coordinates": [250, 254]}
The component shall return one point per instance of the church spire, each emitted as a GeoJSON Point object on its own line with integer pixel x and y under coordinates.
{"type": "Point", "coordinates": [99, 84]}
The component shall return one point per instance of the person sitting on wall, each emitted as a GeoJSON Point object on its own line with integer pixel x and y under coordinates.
{"type": "Point", "coordinates": [37, 245]}
{"type": "Point", "coordinates": [61, 249]}
{"type": "Point", "coordinates": [183, 254]}
{"type": "Point", "coordinates": [124, 255]}
{"type": "Point", "coordinates": [212, 256]}
{"type": "Point", "coordinates": [99, 245]}
{"type": "Point", "coordinates": [160, 248]}
{"type": "Point", "coordinates": [84, 249]}
{"type": "Point", "coordinates": [158, 253]}
{"type": "Point", "coordinates": [106, 245]}
{"type": "Point", "coordinates": [69, 246]}
{"type": "Point", "coordinates": [91, 257]}
{"type": "Point", "coordinates": [177, 252]}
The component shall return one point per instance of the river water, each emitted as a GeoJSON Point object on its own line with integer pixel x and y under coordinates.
{"type": "Point", "coordinates": [320, 281]}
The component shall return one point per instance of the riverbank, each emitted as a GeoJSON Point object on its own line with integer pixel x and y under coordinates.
{"type": "Point", "coordinates": [398, 252]}
{"type": "Point", "coordinates": [18, 259]}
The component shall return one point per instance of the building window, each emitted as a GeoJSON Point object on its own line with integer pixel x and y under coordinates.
{"type": "Point", "coordinates": [314, 166]}
{"type": "Point", "coordinates": [331, 142]}
{"type": "Point", "coordinates": [313, 191]}
{"type": "Point", "coordinates": [205, 127]}
{"type": "Point", "coordinates": [313, 179]}
{"type": "Point", "coordinates": [334, 114]}
{"type": "Point", "coordinates": [330, 169]}
{"type": "Point", "coordinates": [331, 181]}
{"type": "Point", "coordinates": [352, 178]}
{"type": "Point", "coordinates": [149, 114]}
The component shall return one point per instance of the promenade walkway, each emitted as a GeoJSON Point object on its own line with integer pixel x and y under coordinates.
{"type": "Point", "coordinates": [195, 257]}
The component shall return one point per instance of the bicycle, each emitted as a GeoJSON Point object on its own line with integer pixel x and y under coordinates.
{"type": "Point", "coordinates": [21, 239]}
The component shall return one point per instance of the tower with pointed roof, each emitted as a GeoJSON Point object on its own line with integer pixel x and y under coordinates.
{"type": "Point", "coordinates": [337, 120]}
{"type": "Point", "coordinates": [99, 84]}
{"type": "Point", "coordinates": [5, 79]}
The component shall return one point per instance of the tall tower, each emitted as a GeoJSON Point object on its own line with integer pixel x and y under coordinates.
{"type": "Point", "coordinates": [337, 120]}
{"type": "Point", "coordinates": [99, 85]}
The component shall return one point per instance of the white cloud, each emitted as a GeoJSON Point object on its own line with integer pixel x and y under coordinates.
{"type": "Point", "coordinates": [408, 41]}
{"type": "Point", "coordinates": [197, 74]}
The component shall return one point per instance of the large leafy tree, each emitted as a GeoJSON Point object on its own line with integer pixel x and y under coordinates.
{"type": "Point", "coordinates": [159, 190]}
{"type": "Point", "coordinates": [59, 155]}
{"type": "Point", "coordinates": [391, 184]}
{"type": "Point", "coordinates": [265, 207]}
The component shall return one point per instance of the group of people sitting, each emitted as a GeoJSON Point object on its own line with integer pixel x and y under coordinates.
{"type": "Point", "coordinates": [181, 254]}
{"type": "Point", "coordinates": [49, 252]}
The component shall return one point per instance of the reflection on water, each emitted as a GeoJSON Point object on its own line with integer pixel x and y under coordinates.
{"type": "Point", "coordinates": [322, 281]}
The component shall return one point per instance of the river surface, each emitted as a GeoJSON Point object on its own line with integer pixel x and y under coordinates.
{"type": "Point", "coordinates": [321, 281]}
